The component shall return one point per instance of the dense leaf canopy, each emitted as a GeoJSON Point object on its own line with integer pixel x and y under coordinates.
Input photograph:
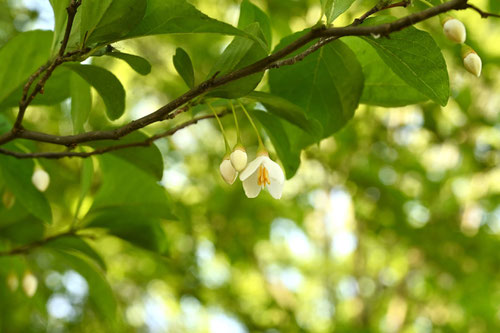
{"type": "Point", "coordinates": [115, 116]}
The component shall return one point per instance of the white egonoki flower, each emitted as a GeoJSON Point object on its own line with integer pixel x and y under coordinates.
{"type": "Point", "coordinates": [454, 30]}
{"type": "Point", "coordinates": [473, 63]}
{"type": "Point", "coordinates": [239, 158]}
{"type": "Point", "coordinates": [227, 171]}
{"type": "Point", "coordinates": [263, 173]}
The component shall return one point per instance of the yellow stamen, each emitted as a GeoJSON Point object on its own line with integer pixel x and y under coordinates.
{"type": "Point", "coordinates": [263, 178]}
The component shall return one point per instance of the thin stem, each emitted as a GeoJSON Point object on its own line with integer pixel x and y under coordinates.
{"type": "Point", "coordinates": [261, 145]}
{"type": "Point", "coordinates": [228, 148]}
{"type": "Point", "coordinates": [238, 140]}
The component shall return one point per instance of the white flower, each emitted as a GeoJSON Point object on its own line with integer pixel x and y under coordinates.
{"type": "Point", "coordinates": [263, 173]}
{"type": "Point", "coordinates": [239, 158]}
{"type": "Point", "coordinates": [473, 63]}
{"type": "Point", "coordinates": [227, 171]}
{"type": "Point", "coordinates": [454, 30]}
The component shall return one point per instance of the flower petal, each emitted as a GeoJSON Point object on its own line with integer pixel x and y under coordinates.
{"type": "Point", "coordinates": [252, 189]}
{"type": "Point", "coordinates": [275, 171]}
{"type": "Point", "coordinates": [275, 189]}
{"type": "Point", "coordinates": [251, 168]}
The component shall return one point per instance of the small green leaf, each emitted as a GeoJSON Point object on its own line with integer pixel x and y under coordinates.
{"type": "Point", "coordinates": [107, 85]}
{"type": "Point", "coordinates": [276, 132]}
{"type": "Point", "coordinates": [382, 86]}
{"type": "Point", "coordinates": [335, 8]}
{"type": "Point", "coordinates": [76, 245]}
{"type": "Point", "coordinates": [286, 110]}
{"type": "Point", "coordinates": [179, 16]}
{"type": "Point", "coordinates": [16, 66]}
{"type": "Point", "coordinates": [240, 53]}
{"type": "Point", "coordinates": [184, 66]}
{"type": "Point", "coordinates": [327, 84]}
{"type": "Point", "coordinates": [17, 176]}
{"type": "Point", "coordinates": [415, 57]}
{"type": "Point", "coordinates": [138, 64]}
{"type": "Point", "coordinates": [81, 102]}
{"type": "Point", "coordinates": [250, 13]}
{"type": "Point", "coordinates": [106, 21]}
{"type": "Point", "coordinates": [148, 159]}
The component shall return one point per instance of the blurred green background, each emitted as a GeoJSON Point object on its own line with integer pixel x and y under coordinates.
{"type": "Point", "coordinates": [391, 225]}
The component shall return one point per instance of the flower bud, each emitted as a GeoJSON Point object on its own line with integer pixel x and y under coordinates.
{"type": "Point", "coordinates": [239, 158]}
{"type": "Point", "coordinates": [454, 30]}
{"type": "Point", "coordinates": [227, 171]}
{"type": "Point", "coordinates": [40, 179]}
{"type": "Point", "coordinates": [12, 281]}
{"type": "Point", "coordinates": [472, 62]}
{"type": "Point", "coordinates": [30, 284]}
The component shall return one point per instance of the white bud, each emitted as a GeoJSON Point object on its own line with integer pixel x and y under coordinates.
{"type": "Point", "coordinates": [239, 159]}
{"type": "Point", "coordinates": [40, 179]}
{"type": "Point", "coordinates": [12, 281]}
{"type": "Point", "coordinates": [473, 63]}
{"type": "Point", "coordinates": [454, 30]}
{"type": "Point", "coordinates": [30, 284]}
{"type": "Point", "coordinates": [227, 171]}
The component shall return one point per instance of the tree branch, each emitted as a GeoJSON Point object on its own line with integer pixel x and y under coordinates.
{"type": "Point", "coordinates": [24, 249]}
{"type": "Point", "coordinates": [100, 151]}
{"type": "Point", "coordinates": [165, 112]}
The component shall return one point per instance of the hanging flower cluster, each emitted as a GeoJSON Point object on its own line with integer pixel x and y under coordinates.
{"type": "Point", "coordinates": [455, 31]}
{"type": "Point", "coordinates": [261, 173]}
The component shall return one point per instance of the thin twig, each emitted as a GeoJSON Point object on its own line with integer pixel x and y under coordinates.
{"type": "Point", "coordinates": [48, 68]}
{"type": "Point", "coordinates": [482, 12]}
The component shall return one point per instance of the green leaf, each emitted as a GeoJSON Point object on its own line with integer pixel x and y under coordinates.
{"type": "Point", "coordinates": [382, 86]}
{"type": "Point", "coordinates": [24, 231]}
{"type": "Point", "coordinates": [21, 57]}
{"type": "Point", "coordinates": [335, 8]}
{"type": "Point", "coordinates": [17, 175]}
{"type": "Point", "coordinates": [327, 84]}
{"type": "Point", "coordinates": [107, 85]}
{"type": "Point", "coordinates": [100, 294]}
{"type": "Point", "coordinates": [106, 21]}
{"type": "Point", "coordinates": [138, 64]}
{"type": "Point", "coordinates": [148, 159]}
{"type": "Point", "coordinates": [276, 132]}
{"type": "Point", "coordinates": [61, 17]}
{"type": "Point", "coordinates": [56, 90]}
{"type": "Point", "coordinates": [135, 227]}
{"type": "Point", "coordinates": [81, 102]}
{"type": "Point", "coordinates": [86, 177]}
{"type": "Point", "coordinates": [286, 110]}
{"type": "Point", "coordinates": [76, 245]}
{"type": "Point", "coordinates": [184, 66]}
{"type": "Point", "coordinates": [250, 13]}
{"type": "Point", "coordinates": [179, 16]}
{"type": "Point", "coordinates": [240, 53]}
{"type": "Point", "coordinates": [129, 188]}
{"type": "Point", "coordinates": [416, 58]}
